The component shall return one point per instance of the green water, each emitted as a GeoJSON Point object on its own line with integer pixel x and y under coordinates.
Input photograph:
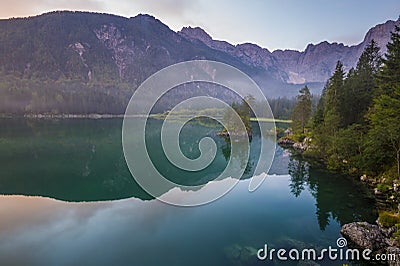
{"type": "Point", "coordinates": [68, 199]}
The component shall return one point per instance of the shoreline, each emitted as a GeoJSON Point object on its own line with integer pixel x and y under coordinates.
{"type": "Point", "coordinates": [106, 116]}
{"type": "Point", "coordinates": [382, 198]}
{"type": "Point", "coordinates": [361, 234]}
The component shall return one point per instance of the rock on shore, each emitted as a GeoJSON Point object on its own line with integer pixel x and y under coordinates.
{"type": "Point", "coordinates": [365, 235]}
{"type": "Point", "coordinates": [374, 237]}
{"type": "Point", "coordinates": [299, 146]}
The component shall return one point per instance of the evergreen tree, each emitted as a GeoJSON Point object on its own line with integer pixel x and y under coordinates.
{"type": "Point", "coordinates": [302, 111]}
{"type": "Point", "coordinates": [384, 135]}
{"type": "Point", "coordinates": [360, 85]}
{"type": "Point", "coordinates": [318, 118]}
{"type": "Point", "coordinates": [389, 77]}
{"type": "Point", "coordinates": [243, 110]}
{"type": "Point", "coordinates": [334, 95]}
{"type": "Point", "coordinates": [339, 122]}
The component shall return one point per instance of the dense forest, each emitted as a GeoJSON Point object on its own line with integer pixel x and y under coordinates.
{"type": "Point", "coordinates": [83, 63]}
{"type": "Point", "coordinates": [355, 128]}
{"type": "Point", "coordinates": [53, 64]}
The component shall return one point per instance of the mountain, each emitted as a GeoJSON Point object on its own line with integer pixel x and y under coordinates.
{"type": "Point", "coordinates": [315, 64]}
{"type": "Point", "coordinates": [81, 62]}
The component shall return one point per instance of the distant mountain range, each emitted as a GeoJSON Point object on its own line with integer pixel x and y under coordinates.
{"type": "Point", "coordinates": [315, 64]}
{"type": "Point", "coordinates": [102, 58]}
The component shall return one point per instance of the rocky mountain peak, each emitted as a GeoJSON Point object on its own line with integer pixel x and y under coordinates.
{"type": "Point", "coordinates": [315, 64]}
{"type": "Point", "coordinates": [249, 53]}
{"type": "Point", "coordinates": [145, 18]}
{"type": "Point", "coordinates": [254, 55]}
{"type": "Point", "coordinates": [196, 33]}
{"type": "Point", "coordinates": [252, 47]}
{"type": "Point", "coordinates": [114, 47]}
{"type": "Point", "coordinates": [379, 34]}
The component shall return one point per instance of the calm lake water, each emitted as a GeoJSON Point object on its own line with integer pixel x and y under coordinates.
{"type": "Point", "coordinates": [67, 198]}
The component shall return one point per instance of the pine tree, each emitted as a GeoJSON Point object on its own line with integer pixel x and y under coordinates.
{"type": "Point", "coordinates": [360, 85]}
{"type": "Point", "coordinates": [367, 67]}
{"type": "Point", "coordinates": [333, 97]}
{"type": "Point", "coordinates": [384, 135]}
{"type": "Point", "coordinates": [389, 76]}
{"type": "Point", "coordinates": [318, 118]}
{"type": "Point", "coordinates": [302, 111]}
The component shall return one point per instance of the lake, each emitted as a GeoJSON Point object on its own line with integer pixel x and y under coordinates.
{"type": "Point", "coordinates": [67, 198]}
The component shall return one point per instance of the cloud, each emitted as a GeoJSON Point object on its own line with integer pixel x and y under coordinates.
{"type": "Point", "coordinates": [171, 12]}
{"type": "Point", "coordinates": [22, 8]}
{"type": "Point", "coordinates": [165, 7]}
{"type": "Point", "coordinates": [36, 230]}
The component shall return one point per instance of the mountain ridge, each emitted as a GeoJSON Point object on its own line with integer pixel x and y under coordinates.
{"type": "Point", "coordinates": [70, 61]}
{"type": "Point", "coordinates": [299, 67]}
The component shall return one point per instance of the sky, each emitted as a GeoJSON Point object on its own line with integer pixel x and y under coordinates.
{"type": "Point", "coordinates": [272, 24]}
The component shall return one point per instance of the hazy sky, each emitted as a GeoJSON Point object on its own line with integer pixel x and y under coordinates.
{"type": "Point", "coordinates": [273, 24]}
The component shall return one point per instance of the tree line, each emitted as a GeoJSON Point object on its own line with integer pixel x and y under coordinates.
{"type": "Point", "coordinates": [355, 127]}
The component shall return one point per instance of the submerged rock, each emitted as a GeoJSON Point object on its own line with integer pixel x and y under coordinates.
{"type": "Point", "coordinates": [290, 243]}
{"type": "Point", "coordinates": [307, 263]}
{"type": "Point", "coordinates": [241, 255]}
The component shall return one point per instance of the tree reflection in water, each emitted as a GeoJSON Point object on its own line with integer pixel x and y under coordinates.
{"type": "Point", "coordinates": [241, 156]}
{"type": "Point", "coordinates": [298, 171]}
{"type": "Point", "coordinates": [337, 197]}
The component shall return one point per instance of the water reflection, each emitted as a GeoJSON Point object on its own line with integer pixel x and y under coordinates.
{"type": "Point", "coordinates": [81, 160]}
{"type": "Point", "coordinates": [240, 157]}
{"type": "Point", "coordinates": [298, 170]}
{"type": "Point", "coordinates": [337, 197]}
{"type": "Point", "coordinates": [72, 160]}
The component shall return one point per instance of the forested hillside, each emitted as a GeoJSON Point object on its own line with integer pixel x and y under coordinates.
{"type": "Point", "coordinates": [356, 127]}
{"type": "Point", "coordinates": [80, 62]}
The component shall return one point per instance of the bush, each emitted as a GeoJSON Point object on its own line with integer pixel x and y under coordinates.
{"type": "Point", "coordinates": [396, 235]}
{"type": "Point", "coordinates": [383, 187]}
{"type": "Point", "coordinates": [300, 137]}
{"type": "Point", "coordinates": [387, 219]}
